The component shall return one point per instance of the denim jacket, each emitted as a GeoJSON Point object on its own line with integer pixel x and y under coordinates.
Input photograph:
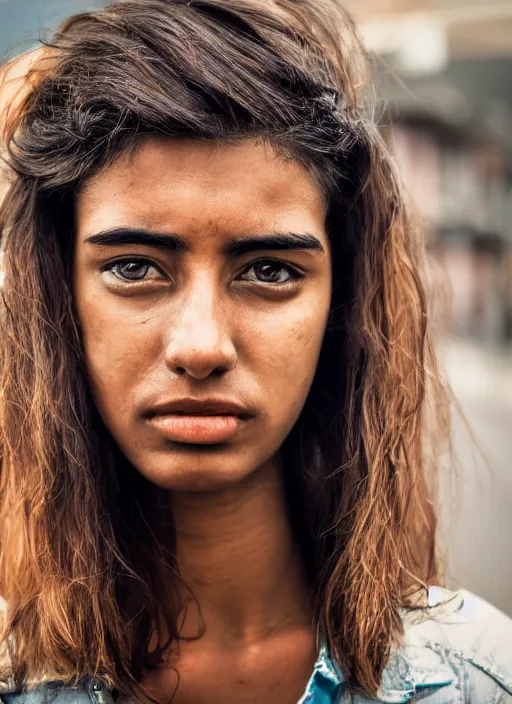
{"type": "Point", "coordinates": [456, 650]}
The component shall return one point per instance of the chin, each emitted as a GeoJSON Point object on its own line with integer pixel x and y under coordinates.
{"type": "Point", "coordinates": [197, 471]}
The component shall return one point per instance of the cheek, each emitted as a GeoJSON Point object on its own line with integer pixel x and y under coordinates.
{"type": "Point", "coordinates": [290, 349]}
{"type": "Point", "coordinates": [119, 352]}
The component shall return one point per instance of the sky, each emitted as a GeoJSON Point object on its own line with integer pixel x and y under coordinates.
{"type": "Point", "coordinates": [21, 21]}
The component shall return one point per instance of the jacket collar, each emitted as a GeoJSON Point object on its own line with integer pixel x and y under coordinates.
{"type": "Point", "coordinates": [326, 680]}
{"type": "Point", "coordinates": [412, 667]}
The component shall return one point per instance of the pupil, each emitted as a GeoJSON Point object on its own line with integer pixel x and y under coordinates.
{"type": "Point", "coordinates": [133, 269]}
{"type": "Point", "coordinates": [269, 269]}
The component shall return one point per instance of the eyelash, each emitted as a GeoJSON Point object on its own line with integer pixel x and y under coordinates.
{"type": "Point", "coordinates": [295, 274]}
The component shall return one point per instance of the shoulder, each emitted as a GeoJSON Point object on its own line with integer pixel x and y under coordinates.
{"type": "Point", "coordinates": [456, 649]}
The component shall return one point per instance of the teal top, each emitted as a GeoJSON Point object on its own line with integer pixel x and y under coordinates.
{"type": "Point", "coordinates": [456, 650]}
{"type": "Point", "coordinates": [325, 683]}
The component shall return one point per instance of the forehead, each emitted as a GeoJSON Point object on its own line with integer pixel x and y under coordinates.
{"type": "Point", "coordinates": [192, 185]}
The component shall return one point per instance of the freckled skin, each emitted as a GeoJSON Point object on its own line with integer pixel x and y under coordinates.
{"type": "Point", "coordinates": [195, 328]}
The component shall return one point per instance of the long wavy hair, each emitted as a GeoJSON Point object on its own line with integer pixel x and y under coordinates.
{"type": "Point", "coordinates": [79, 555]}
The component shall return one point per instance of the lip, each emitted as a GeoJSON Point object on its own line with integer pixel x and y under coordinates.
{"type": "Point", "coordinates": [198, 421]}
{"type": "Point", "coordinates": [196, 406]}
{"type": "Point", "coordinates": [198, 429]}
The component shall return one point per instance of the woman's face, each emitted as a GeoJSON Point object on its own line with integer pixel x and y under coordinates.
{"type": "Point", "coordinates": [180, 296]}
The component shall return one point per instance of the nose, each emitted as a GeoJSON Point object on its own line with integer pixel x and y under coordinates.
{"type": "Point", "coordinates": [199, 343]}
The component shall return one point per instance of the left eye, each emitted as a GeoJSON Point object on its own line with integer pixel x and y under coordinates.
{"type": "Point", "coordinates": [131, 269]}
{"type": "Point", "coordinates": [272, 272]}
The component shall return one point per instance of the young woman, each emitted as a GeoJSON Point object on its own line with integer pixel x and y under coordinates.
{"type": "Point", "coordinates": [217, 375]}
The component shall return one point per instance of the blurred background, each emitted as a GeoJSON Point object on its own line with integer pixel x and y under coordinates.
{"type": "Point", "coordinates": [442, 71]}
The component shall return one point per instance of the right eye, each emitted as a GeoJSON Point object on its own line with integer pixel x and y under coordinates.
{"type": "Point", "coordinates": [132, 270]}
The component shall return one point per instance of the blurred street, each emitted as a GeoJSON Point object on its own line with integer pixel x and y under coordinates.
{"type": "Point", "coordinates": [479, 528]}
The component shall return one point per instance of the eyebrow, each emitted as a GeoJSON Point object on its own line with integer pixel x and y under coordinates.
{"type": "Point", "coordinates": [233, 248]}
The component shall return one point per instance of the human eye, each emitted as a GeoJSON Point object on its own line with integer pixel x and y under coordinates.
{"type": "Point", "coordinates": [132, 270]}
{"type": "Point", "coordinates": [272, 271]}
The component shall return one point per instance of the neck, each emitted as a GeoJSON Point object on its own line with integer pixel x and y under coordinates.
{"type": "Point", "coordinates": [236, 552]}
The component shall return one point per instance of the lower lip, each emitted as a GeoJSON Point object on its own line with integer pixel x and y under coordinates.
{"type": "Point", "coordinates": [197, 428]}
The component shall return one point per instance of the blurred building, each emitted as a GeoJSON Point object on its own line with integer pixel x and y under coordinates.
{"type": "Point", "coordinates": [442, 69]}
{"type": "Point", "coordinates": [443, 75]}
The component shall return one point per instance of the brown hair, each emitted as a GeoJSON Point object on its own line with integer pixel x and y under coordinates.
{"type": "Point", "coordinates": [78, 553]}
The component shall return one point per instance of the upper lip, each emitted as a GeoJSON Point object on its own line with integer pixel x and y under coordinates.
{"type": "Point", "coordinates": [198, 406]}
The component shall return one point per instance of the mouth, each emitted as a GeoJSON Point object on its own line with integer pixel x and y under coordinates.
{"type": "Point", "coordinates": [202, 429]}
